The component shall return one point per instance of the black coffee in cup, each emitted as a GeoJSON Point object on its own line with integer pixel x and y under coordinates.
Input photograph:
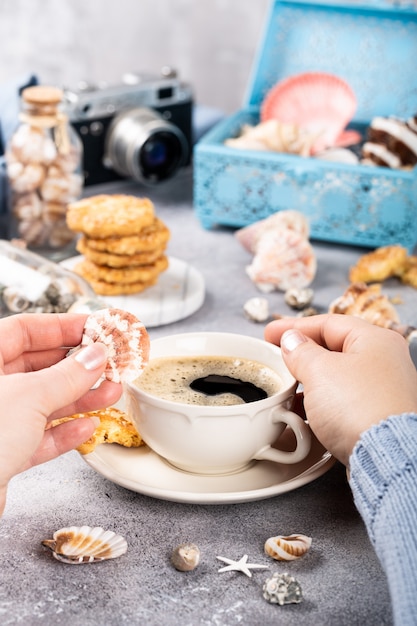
{"type": "Point", "coordinates": [215, 385]}
{"type": "Point", "coordinates": [208, 380]}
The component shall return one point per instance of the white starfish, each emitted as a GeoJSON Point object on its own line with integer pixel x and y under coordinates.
{"type": "Point", "coordinates": [240, 566]}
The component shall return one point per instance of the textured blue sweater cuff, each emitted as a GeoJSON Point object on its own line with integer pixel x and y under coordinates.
{"type": "Point", "coordinates": [385, 455]}
{"type": "Point", "coordinates": [383, 478]}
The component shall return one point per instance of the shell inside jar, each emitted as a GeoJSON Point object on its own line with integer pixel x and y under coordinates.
{"type": "Point", "coordinates": [42, 172]}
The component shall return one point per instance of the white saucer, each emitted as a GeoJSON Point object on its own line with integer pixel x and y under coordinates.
{"type": "Point", "coordinates": [178, 293]}
{"type": "Point", "coordinates": [143, 471]}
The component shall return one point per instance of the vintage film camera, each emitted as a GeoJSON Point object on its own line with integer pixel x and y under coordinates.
{"type": "Point", "coordinates": [140, 129]}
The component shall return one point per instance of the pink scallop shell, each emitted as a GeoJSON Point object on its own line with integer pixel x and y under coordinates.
{"type": "Point", "coordinates": [320, 103]}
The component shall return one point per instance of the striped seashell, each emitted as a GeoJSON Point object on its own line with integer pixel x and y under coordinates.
{"type": "Point", "coordinates": [84, 544]}
{"type": "Point", "coordinates": [287, 548]}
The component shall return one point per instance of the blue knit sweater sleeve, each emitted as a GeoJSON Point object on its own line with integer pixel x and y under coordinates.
{"type": "Point", "coordinates": [383, 479]}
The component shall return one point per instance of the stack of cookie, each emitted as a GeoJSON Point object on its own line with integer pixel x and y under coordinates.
{"type": "Point", "coordinates": [123, 243]}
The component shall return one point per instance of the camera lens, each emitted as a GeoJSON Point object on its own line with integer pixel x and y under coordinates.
{"type": "Point", "coordinates": [160, 154]}
{"type": "Point", "coordinates": [142, 145]}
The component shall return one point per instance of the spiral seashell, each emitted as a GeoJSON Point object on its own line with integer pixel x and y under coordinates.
{"type": "Point", "coordinates": [126, 339]}
{"type": "Point", "coordinates": [287, 548]}
{"type": "Point", "coordinates": [282, 589]}
{"type": "Point", "coordinates": [185, 557]}
{"type": "Point", "coordinates": [84, 544]}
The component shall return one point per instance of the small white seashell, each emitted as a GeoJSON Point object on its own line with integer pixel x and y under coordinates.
{"type": "Point", "coordinates": [282, 589]}
{"type": "Point", "coordinates": [185, 557]}
{"type": "Point", "coordinates": [256, 309]}
{"type": "Point", "coordinates": [299, 298]}
{"type": "Point", "coordinates": [84, 544]}
{"type": "Point", "coordinates": [287, 548]}
{"type": "Point", "coordinates": [15, 300]}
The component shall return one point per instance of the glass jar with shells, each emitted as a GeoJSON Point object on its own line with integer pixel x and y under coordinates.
{"type": "Point", "coordinates": [44, 170]}
{"type": "Point", "coordinates": [30, 283]}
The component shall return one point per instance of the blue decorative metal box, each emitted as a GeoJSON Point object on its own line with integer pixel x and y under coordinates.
{"type": "Point", "coordinates": [373, 47]}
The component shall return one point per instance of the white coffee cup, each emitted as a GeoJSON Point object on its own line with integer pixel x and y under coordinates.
{"type": "Point", "coordinates": [219, 439]}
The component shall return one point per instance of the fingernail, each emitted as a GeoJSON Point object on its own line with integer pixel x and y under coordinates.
{"type": "Point", "coordinates": [291, 339]}
{"type": "Point", "coordinates": [91, 356]}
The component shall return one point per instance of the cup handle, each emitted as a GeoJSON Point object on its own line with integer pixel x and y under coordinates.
{"type": "Point", "coordinates": [303, 439]}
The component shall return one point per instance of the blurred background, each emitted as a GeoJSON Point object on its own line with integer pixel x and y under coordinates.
{"type": "Point", "coordinates": [211, 43]}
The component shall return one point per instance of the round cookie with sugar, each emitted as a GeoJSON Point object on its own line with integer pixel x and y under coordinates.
{"type": "Point", "coordinates": [126, 339]}
{"type": "Point", "coordinates": [105, 288]}
{"type": "Point", "coordinates": [155, 235]}
{"type": "Point", "coordinates": [106, 215]}
{"type": "Point", "coordinates": [130, 274]}
{"type": "Point", "coordinates": [119, 260]}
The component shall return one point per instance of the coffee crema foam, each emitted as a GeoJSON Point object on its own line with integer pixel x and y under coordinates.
{"type": "Point", "coordinates": [170, 378]}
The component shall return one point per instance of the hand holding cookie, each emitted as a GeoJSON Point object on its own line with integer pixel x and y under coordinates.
{"type": "Point", "coordinates": [127, 343]}
{"type": "Point", "coordinates": [38, 385]}
{"type": "Point", "coordinates": [126, 340]}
